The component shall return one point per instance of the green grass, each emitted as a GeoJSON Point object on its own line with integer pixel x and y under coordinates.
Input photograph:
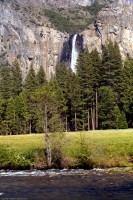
{"type": "Point", "coordinates": [105, 148]}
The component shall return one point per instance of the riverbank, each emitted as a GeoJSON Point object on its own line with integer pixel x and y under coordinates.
{"type": "Point", "coordinates": [93, 149]}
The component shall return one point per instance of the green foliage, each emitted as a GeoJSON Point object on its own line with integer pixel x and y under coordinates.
{"type": "Point", "coordinates": [107, 104]}
{"type": "Point", "coordinates": [126, 93]}
{"type": "Point", "coordinates": [30, 81]}
{"type": "Point", "coordinates": [100, 91]}
{"type": "Point", "coordinates": [5, 82]}
{"type": "Point", "coordinates": [16, 78]}
{"type": "Point", "coordinates": [85, 72]}
{"type": "Point", "coordinates": [65, 23]}
{"type": "Point", "coordinates": [95, 8]}
{"type": "Point", "coordinates": [83, 153]}
{"type": "Point", "coordinates": [41, 77]}
{"type": "Point", "coordinates": [105, 148]}
{"type": "Point", "coordinates": [111, 68]}
{"type": "Point", "coordinates": [120, 119]}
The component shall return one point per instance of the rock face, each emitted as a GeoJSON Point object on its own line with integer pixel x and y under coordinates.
{"type": "Point", "coordinates": [67, 3]}
{"type": "Point", "coordinates": [115, 23]}
{"type": "Point", "coordinates": [27, 37]}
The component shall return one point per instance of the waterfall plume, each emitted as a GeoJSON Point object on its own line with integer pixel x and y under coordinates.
{"type": "Point", "coordinates": [75, 54]}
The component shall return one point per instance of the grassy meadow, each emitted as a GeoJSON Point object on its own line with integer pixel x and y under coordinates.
{"type": "Point", "coordinates": [104, 148]}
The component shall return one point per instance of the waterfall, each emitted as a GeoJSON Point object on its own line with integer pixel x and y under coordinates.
{"type": "Point", "coordinates": [75, 53]}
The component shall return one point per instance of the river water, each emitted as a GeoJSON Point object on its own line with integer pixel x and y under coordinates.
{"type": "Point", "coordinates": [66, 185]}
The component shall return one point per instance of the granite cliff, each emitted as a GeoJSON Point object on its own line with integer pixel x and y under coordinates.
{"type": "Point", "coordinates": [115, 23]}
{"type": "Point", "coordinates": [28, 35]}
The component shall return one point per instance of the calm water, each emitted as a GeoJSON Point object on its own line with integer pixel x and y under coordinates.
{"type": "Point", "coordinates": [66, 185]}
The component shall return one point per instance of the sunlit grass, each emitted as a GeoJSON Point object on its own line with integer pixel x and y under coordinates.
{"type": "Point", "coordinates": [101, 148]}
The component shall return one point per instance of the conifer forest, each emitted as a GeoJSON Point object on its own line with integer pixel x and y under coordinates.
{"type": "Point", "coordinates": [98, 96]}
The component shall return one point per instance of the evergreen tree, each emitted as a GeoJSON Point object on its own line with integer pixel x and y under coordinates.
{"type": "Point", "coordinates": [41, 77]}
{"type": "Point", "coordinates": [11, 116]}
{"type": "Point", "coordinates": [126, 92]}
{"type": "Point", "coordinates": [30, 87]}
{"type": "Point", "coordinates": [62, 80]}
{"type": "Point", "coordinates": [16, 79]}
{"type": "Point", "coordinates": [111, 67]}
{"type": "Point", "coordinates": [96, 62]}
{"type": "Point", "coordinates": [120, 121]}
{"type": "Point", "coordinates": [76, 104]}
{"type": "Point", "coordinates": [61, 77]}
{"type": "Point", "coordinates": [107, 108]}
{"type": "Point", "coordinates": [2, 113]}
{"type": "Point", "coordinates": [5, 83]}
{"type": "Point", "coordinates": [22, 113]}
{"type": "Point", "coordinates": [30, 81]}
{"type": "Point", "coordinates": [85, 73]}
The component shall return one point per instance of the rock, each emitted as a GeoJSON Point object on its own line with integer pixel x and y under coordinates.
{"type": "Point", "coordinates": [22, 36]}
{"type": "Point", "coordinates": [115, 24]}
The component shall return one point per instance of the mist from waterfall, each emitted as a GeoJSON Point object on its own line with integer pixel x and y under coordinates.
{"type": "Point", "coordinates": [75, 54]}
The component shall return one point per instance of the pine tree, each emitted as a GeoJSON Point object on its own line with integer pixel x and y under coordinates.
{"type": "Point", "coordinates": [16, 78]}
{"type": "Point", "coordinates": [41, 77]}
{"type": "Point", "coordinates": [120, 121]}
{"type": "Point", "coordinates": [85, 73]}
{"type": "Point", "coordinates": [107, 108]}
{"type": "Point", "coordinates": [5, 83]}
{"type": "Point", "coordinates": [62, 80]}
{"type": "Point", "coordinates": [126, 93]}
{"type": "Point", "coordinates": [76, 104]}
{"type": "Point", "coordinates": [11, 116]}
{"type": "Point", "coordinates": [30, 81]}
{"type": "Point", "coordinates": [30, 87]}
{"type": "Point", "coordinates": [2, 113]}
{"type": "Point", "coordinates": [22, 113]}
{"type": "Point", "coordinates": [96, 62]}
{"type": "Point", "coordinates": [111, 67]}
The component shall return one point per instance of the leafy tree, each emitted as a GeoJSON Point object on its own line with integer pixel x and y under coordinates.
{"type": "Point", "coordinates": [47, 109]}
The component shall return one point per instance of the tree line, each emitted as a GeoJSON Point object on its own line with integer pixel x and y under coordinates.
{"type": "Point", "coordinates": [98, 96]}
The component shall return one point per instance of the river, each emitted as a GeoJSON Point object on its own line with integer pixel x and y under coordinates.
{"type": "Point", "coordinates": [66, 185]}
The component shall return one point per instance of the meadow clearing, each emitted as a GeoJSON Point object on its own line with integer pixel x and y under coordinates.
{"type": "Point", "coordinates": [90, 149]}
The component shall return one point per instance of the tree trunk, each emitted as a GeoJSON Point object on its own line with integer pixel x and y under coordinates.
{"type": "Point", "coordinates": [66, 123]}
{"type": "Point", "coordinates": [92, 119]}
{"type": "Point", "coordinates": [75, 121]}
{"type": "Point", "coordinates": [30, 126]}
{"type": "Point", "coordinates": [48, 150]}
{"type": "Point", "coordinates": [96, 110]}
{"type": "Point", "coordinates": [47, 139]}
{"type": "Point", "coordinates": [88, 120]}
